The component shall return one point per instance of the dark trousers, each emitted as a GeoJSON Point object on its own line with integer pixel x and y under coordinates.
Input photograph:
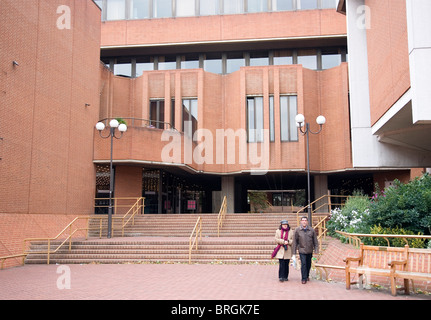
{"type": "Point", "coordinates": [305, 265]}
{"type": "Point", "coordinates": [283, 268]}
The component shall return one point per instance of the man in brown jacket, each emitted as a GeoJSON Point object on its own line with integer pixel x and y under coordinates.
{"type": "Point", "coordinates": [305, 240]}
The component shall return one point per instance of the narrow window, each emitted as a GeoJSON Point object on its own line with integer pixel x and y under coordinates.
{"type": "Point", "coordinates": [255, 119]}
{"type": "Point", "coordinates": [288, 111]}
{"type": "Point", "coordinates": [190, 115]}
{"type": "Point", "coordinates": [157, 114]}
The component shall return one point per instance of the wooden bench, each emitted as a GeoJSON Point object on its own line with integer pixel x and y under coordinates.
{"type": "Point", "coordinates": [416, 266]}
{"type": "Point", "coordinates": [375, 260]}
{"type": "Point", "coordinates": [392, 262]}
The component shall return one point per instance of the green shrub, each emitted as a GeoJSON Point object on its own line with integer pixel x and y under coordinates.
{"type": "Point", "coordinates": [406, 206]}
{"type": "Point", "coordinates": [394, 242]}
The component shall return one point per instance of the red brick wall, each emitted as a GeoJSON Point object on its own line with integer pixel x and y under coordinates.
{"type": "Point", "coordinates": [47, 174]}
{"type": "Point", "coordinates": [224, 27]}
{"type": "Point", "coordinates": [46, 164]}
{"type": "Point", "coordinates": [222, 105]}
{"type": "Point", "coordinates": [14, 228]}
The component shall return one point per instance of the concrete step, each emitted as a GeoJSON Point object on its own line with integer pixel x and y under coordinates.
{"type": "Point", "coordinates": [172, 250]}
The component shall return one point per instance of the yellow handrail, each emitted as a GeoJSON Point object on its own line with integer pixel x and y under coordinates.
{"type": "Point", "coordinates": [221, 216]}
{"type": "Point", "coordinates": [135, 209]}
{"type": "Point", "coordinates": [356, 237]}
{"type": "Point", "coordinates": [321, 231]}
{"type": "Point", "coordinates": [328, 203]}
{"type": "Point", "coordinates": [71, 233]}
{"type": "Point", "coordinates": [198, 230]}
{"type": "Point", "coordinates": [3, 259]}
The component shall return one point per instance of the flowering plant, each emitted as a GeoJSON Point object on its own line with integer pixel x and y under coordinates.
{"type": "Point", "coordinates": [352, 217]}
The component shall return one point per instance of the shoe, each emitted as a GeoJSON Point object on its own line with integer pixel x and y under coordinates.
{"type": "Point", "coordinates": [281, 279]}
{"type": "Point", "coordinates": [304, 281]}
{"type": "Point", "coordinates": [286, 279]}
{"type": "Point", "coordinates": [308, 279]}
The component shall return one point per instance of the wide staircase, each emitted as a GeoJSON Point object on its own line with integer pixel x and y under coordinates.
{"type": "Point", "coordinates": [244, 238]}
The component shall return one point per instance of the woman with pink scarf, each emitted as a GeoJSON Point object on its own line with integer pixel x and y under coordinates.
{"type": "Point", "coordinates": [283, 251]}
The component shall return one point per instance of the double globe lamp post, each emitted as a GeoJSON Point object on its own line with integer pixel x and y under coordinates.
{"type": "Point", "coordinates": [300, 123]}
{"type": "Point", "coordinates": [113, 126]}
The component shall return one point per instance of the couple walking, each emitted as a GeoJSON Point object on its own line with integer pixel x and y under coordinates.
{"type": "Point", "coordinates": [303, 239]}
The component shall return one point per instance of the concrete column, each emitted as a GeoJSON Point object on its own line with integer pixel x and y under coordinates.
{"type": "Point", "coordinates": [228, 190]}
{"type": "Point", "coordinates": [321, 189]}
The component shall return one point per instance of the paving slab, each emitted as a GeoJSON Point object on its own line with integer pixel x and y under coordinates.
{"type": "Point", "coordinates": [173, 282]}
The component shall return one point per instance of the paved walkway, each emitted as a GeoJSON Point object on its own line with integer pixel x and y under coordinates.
{"type": "Point", "coordinates": [172, 282]}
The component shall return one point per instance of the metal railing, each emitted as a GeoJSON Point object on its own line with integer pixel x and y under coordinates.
{"type": "Point", "coordinates": [197, 233]}
{"type": "Point", "coordinates": [137, 208]}
{"type": "Point", "coordinates": [222, 215]}
{"type": "Point", "coordinates": [325, 201]}
{"type": "Point", "coordinates": [73, 228]}
{"type": "Point", "coordinates": [143, 123]}
{"type": "Point", "coordinates": [355, 238]}
{"type": "Point", "coordinates": [69, 228]}
{"type": "Point", "coordinates": [321, 231]}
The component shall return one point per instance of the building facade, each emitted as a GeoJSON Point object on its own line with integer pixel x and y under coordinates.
{"type": "Point", "coordinates": [209, 90]}
{"type": "Point", "coordinates": [238, 72]}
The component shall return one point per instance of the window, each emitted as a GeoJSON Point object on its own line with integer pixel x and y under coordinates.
{"type": "Point", "coordinates": [144, 64]}
{"type": "Point", "coordinates": [307, 4]}
{"type": "Point", "coordinates": [123, 67]}
{"type": "Point", "coordinates": [257, 5]}
{"type": "Point", "coordinates": [190, 116]}
{"type": "Point", "coordinates": [162, 8]}
{"type": "Point", "coordinates": [308, 58]}
{"type": "Point", "coordinates": [330, 58]}
{"type": "Point", "coordinates": [139, 9]}
{"type": "Point", "coordinates": [167, 63]}
{"type": "Point", "coordinates": [255, 119]}
{"type": "Point", "coordinates": [116, 10]}
{"type": "Point", "coordinates": [190, 61]}
{"type": "Point", "coordinates": [233, 6]}
{"type": "Point", "coordinates": [282, 57]}
{"type": "Point", "coordinates": [288, 111]}
{"type": "Point", "coordinates": [328, 4]}
{"type": "Point", "coordinates": [185, 8]}
{"type": "Point", "coordinates": [235, 60]}
{"type": "Point", "coordinates": [157, 114]}
{"type": "Point", "coordinates": [282, 5]}
{"type": "Point", "coordinates": [209, 7]}
{"type": "Point", "coordinates": [213, 63]}
{"type": "Point", "coordinates": [259, 59]}
{"type": "Point", "coordinates": [271, 119]}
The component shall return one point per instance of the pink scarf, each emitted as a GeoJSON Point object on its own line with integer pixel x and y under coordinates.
{"type": "Point", "coordinates": [286, 233]}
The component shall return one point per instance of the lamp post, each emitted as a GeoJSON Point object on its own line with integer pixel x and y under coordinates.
{"type": "Point", "coordinates": [100, 126]}
{"type": "Point", "coordinates": [300, 121]}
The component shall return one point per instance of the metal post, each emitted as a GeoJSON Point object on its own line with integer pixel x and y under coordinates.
{"type": "Point", "coordinates": [111, 186]}
{"type": "Point", "coordinates": [307, 130]}
{"type": "Point", "coordinates": [300, 120]}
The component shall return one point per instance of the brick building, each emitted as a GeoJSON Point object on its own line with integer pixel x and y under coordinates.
{"type": "Point", "coordinates": [209, 90]}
